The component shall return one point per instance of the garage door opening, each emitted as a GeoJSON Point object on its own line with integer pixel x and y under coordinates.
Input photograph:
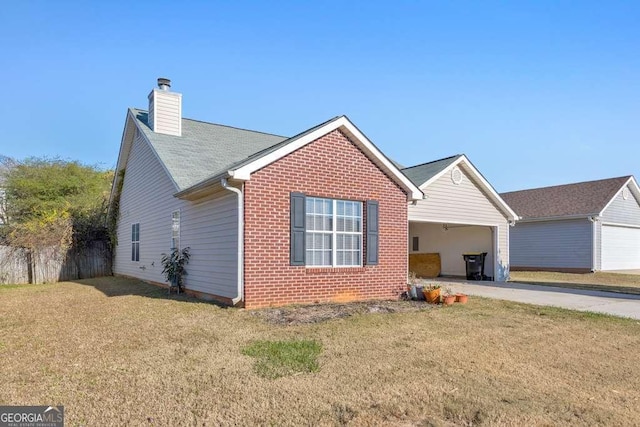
{"type": "Point", "coordinates": [451, 241]}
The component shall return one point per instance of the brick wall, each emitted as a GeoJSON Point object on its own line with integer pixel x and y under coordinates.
{"type": "Point", "coordinates": [331, 167]}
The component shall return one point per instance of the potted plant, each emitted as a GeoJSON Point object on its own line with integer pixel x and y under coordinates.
{"type": "Point", "coordinates": [432, 293]}
{"type": "Point", "coordinates": [462, 298]}
{"type": "Point", "coordinates": [173, 268]}
{"type": "Point", "coordinates": [448, 297]}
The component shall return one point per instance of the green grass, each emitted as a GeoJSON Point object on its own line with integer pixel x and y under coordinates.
{"type": "Point", "coordinates": [282, 358]}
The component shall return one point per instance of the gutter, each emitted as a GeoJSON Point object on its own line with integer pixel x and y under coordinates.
{"type": "Point", "coordinates": [240, 290]}
{"type": "Point", "coordinates": [558, 218]}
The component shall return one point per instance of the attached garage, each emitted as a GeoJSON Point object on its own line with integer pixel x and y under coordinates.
{"type": "Point", "coordinates": [620, 248]}
{"type": "Point", "coordinates": [461, 213]}
{"type": "Point", "coordinates": [451, 241]}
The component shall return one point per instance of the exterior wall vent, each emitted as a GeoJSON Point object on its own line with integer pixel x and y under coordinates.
{"type": "Point", "coordinates": [456, 176]}
{"type": "Point", "coordinates": [625, 193]}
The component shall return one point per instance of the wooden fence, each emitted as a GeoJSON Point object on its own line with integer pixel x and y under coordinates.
{"type": "Point", "coordinates": [50, 265]}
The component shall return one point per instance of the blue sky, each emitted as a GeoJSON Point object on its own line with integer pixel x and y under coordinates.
{"type": "Point", "coordinates": [535, 93]}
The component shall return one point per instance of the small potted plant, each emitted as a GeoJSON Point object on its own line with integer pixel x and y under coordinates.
{"type": "Point", "coordinates": [448, 297]}
{"type": "Point", "coordinates": [432, 293]}
{"type": "Point", "coordinates": [461, 298]}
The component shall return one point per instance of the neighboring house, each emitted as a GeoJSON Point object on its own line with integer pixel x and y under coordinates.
{"type": "Point", "coordinates": [269, 220]}
{"type": "Point", "coordinates": [461, 213]}
{"type": "Point", "coordinates": [587, 226]}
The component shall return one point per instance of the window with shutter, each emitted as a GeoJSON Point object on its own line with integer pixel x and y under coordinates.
{"type": "Point", "coordinates": [297, 238]}
{"type": "Point", "coordinates": [372, 232]}
{"type": "Point", "coordinates": [329, 232]}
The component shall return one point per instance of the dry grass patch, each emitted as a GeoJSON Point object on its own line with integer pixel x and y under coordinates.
{"type": "Point", "coordinates": [118, 352]}
{"type": "Point", "coordinates": [598, 281]}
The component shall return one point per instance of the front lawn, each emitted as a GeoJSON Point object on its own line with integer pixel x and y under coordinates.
{"type": "Point", "coordinates": [118, 352]}
{"type": "Point", "coordinates": [598, 281]}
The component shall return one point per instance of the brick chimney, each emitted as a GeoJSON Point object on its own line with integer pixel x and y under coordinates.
{"type": "Point", "coordinates": [165, 109]}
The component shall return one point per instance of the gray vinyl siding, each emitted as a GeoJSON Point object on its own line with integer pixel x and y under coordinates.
{"type": "Point", "coordinates": [552, 244]}
{"type": "Point", "coordinates": [598, 246]}
{"type": "Point", "coordinates": [464, 203]}
{"type": "Point", "coordinates": [209, 227]}
{"type": "Point", "coordinates": [622, 211]}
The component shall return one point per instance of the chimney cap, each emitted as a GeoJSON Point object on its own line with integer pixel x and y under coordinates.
{"type": "Point", "coordinates": [164, 83]}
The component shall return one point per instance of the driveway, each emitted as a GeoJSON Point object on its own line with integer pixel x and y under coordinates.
{"type": "Point", "coordinates": [613, 303]}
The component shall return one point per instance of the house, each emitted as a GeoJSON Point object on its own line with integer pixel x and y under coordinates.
{"type": "Point", "coordinates": [269, 220]}
{"type": "Point", "coordinates": [460, 213]}
{"type": "Point", "coordinates": [581, 227]}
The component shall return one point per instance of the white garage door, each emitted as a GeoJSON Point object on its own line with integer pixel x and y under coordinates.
{"type": "Point", "coordinates": [620, 248]}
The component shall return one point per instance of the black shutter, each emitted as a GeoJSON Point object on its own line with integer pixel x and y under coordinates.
{"type": "Point", "coordinates": [297, 239]}
{"type": "Point", "coordinates": [372, 232]}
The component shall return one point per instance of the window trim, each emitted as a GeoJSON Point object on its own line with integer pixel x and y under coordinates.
{"type": "Point", "coordinates": [135, 258]}
{"type": "Point", "coordinates": [334, 233]}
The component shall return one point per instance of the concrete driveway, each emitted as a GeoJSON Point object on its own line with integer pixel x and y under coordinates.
{"type": "Point", "coordinates": [613, 303]}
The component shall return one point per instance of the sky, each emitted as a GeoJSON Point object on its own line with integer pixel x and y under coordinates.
{"type": "Point", "coordinates": [535, 93]}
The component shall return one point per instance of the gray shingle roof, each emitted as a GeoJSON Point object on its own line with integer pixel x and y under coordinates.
{"type": "Point", "coordinates": [420, 174]}
{"type": "Point", "coordinates": [582, 198]}
{"type": "Point", "coordinates": [205, 149]}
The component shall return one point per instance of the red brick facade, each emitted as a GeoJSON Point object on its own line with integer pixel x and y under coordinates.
{"type": "Point", "coordinates": [331, 167]}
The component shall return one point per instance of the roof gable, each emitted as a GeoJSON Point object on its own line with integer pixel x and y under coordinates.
{"type": "Point", "coordinates": [207, 152]}
{"type": "Point", "coordinates": [427, 173]}
{"type": "Point", "coordinates": [570, 200]}
{"type": "Point", "coordinates": [243, 170]}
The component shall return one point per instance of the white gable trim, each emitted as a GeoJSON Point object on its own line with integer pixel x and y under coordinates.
{"type": "Point", "coordinates": [243, 173]}
{"type": "Point", "coordinates": [479, 178]}
{"type": "Point", "coordinates": [631, 182]}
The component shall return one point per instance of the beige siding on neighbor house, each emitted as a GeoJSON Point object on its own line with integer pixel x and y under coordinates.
{"type": "Point", "coordinates": [209, 227]}
{"type": "Point", "coordinates": [465, 203]}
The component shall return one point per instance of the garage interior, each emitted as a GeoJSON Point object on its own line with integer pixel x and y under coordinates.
{"type": "Point", "coordinates": [451, 241]}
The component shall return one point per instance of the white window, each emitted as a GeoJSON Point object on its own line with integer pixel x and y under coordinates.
{"type": "Point", "coordinates": [175, 230]}
{"type": "Point", "coordinates": [135, 242]}
{"type": "Point", "coordinates": [333, 233]}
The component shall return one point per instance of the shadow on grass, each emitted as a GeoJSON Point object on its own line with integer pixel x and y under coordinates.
{"type": "Point", "coordinates": [119, 286]}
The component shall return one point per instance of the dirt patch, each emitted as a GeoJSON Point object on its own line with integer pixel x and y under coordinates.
{"type": "Point", "coordinates": [318, 313]}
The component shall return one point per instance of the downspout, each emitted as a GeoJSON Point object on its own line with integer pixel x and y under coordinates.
{"type": "Point", "coordinates": [594, 226]}
{"type": "Point", "coordinates": [240, 292]}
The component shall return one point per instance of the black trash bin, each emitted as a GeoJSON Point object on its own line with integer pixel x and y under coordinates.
{"type": "Point", "coordinates": [475, 265]}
